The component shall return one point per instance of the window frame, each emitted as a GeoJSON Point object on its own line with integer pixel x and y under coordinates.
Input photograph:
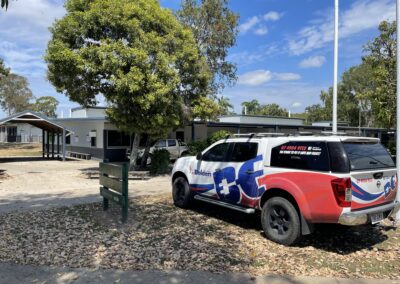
{"type": "Point", "coordinates": [232, 147]}
{"type": "Point", "coordinates": [212, 147]}
{"type": "Point", "coordinates": [161, 147]}
{"type": "Point", "coordinates": [367, 169]}
{"type": "Point", "coordinates": [174, 140]}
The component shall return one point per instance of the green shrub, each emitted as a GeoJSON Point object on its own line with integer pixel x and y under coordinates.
{"type": "Point", "coordinates": [198, 146]}
{"type": "Point", "coordinates": [216, 136]}
{"type": "Point", "coordinates": [160, 162]}
{"type": "Point", "coordinates": [391, 146]}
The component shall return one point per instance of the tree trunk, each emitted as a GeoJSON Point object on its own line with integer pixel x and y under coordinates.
{"type": "Point", "coordinates": [134, 152]}
{"type": "Point", "coordinates": [143, 162]}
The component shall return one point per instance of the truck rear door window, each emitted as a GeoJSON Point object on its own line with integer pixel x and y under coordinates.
{"type": "Point", "coordinates": [367, 156]}
{"type": "Point", "coordinates": [305, 155]}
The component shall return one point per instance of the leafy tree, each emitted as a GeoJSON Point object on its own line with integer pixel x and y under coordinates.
{"type": "Point", "coordinates": [138, 56]}
{"type": "Point", "coordinates": [46, 105]}
{"type": "Point", "coordinates": [348, 109]}
{"type": "Point", "coordinates": [381, 58]}
{"type": "Point", "coordinates": [358, 84]}
{"type": "Point", "coordinates": [355, 84]}
{"type": "Point", "coordinates": [251, 107]}
{"type": "Point", "coordinates": [15, 94]}
{"type": "Point", "coordinates": [225, 106]}
{"type": "Point", "coordinates": [214, 27]}
{"type": "Point", "coordinates": [4, 3]}
{"type": "Point", "coordinates": [3, 70]}
{"type": "Point", "coordinates": [273, 110]}
{"type": "Point", "coordinates": [316, 113]}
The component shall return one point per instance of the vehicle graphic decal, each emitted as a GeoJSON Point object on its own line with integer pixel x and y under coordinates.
{"type": "Point", "coordinates": [236, 186]}
{"type": "Point", "coordinates": [361, 194]}
{"type": "Point", "coordinates": [361, 198]}
{"type": "Point", "coordinates": [200, 188]}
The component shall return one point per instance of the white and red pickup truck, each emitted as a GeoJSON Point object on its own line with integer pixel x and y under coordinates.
{"type": "Point", "coordinates": [296, 181]}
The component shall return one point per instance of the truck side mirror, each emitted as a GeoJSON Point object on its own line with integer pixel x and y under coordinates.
{"type": "Point", "coordinates": [199, 156]}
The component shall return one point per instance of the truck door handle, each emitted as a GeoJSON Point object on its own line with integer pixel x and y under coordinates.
{"type": "Point", "coordinates": [378, 175]}
{"type": "Point", "coordinates": [217, 170]}
{"type": "Point", "coordinates": [249, 172]}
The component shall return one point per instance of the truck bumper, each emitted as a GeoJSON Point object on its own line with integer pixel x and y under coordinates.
{"type": "Point", "coordinates": [363, 216]}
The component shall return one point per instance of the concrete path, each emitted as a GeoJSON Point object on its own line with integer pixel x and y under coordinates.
{"type": "Point", "coordinates": [11, 273]}
{"type": "Point", "coordinates": [32, 185]}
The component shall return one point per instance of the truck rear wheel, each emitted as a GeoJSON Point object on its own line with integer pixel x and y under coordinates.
{"type": "Point", "coordinates": [280, 221]}
{"type": "Point", "coordinates": [181, 193]}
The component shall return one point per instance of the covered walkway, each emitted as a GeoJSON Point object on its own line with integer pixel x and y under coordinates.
{"type": "Point", "coordinates": [53, 134]}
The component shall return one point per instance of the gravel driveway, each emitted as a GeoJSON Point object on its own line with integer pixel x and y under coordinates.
{"type": "Point", "coordinates": [42, 184]}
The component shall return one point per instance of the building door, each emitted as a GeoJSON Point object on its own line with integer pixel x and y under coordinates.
{"type": "Point", "coordinates": [12, 134]}
{"type": "Point", "coordinates": [180, 135]}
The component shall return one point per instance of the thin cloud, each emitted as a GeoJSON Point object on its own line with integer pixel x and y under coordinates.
{"type": "Point", "coordinates": [260, 77]}
{"type": "Point", "coordinates": [272, 16]}
{"type": "Point", "coordinates": [255, 78]}
{"type": "Point", "coordinates": [313, 62]}
{"type": "Point", "coordinates": [362, 15]}
{"type": "Point", "coordinates": [261, 30]}
{"type": "Point", "coordinates": [296, 104]}
{"type": "Point", "coordinates": [255, 23]}
{"type": "Point", "coordinates": [249, 24]}
{"type": "Point", "coordinates": [287, 76]}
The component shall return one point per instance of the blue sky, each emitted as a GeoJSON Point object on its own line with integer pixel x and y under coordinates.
{"type": "Point", "coordinates": [283, 52]}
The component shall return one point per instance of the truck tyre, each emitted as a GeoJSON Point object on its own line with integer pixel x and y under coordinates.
{"type": "Point", "coordinates": [280, 221]}
{"type": "Point", "coordinates": [181, 193]}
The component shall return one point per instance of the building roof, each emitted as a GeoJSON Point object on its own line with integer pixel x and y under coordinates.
{"type": "Point", "coordinates": [35, 119]}
{"type": "Point", "coordinates": [261, 116]}
{"type": "Point", "coordinates": [261, 119]}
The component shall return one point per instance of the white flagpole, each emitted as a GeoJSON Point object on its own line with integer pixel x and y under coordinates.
{"type": "Point", "coordinates": [335, 68]}
{"type": "Point", "coordinates": [398, 99]}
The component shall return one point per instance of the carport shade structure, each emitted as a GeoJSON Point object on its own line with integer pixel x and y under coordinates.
{"type": "Point", "coordinates": [47, 126]}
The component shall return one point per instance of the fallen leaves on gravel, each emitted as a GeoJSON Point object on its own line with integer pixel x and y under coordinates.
{"type": "Point", "coordinates": [160, 236]}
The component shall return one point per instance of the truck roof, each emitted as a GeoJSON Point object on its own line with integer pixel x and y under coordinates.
{"type": "Point", "coordinates": [330, 138]}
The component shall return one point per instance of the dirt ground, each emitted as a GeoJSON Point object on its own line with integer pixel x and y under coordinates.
{"type": "Point", "coordinates": [37, 184]}
{"type": "Point", "coordinates": [160, 236]}
{"type": "Point", "coordinates": [20, 149]}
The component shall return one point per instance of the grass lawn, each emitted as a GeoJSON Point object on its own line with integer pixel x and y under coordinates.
{"type": "Point", "coordinates": [20, 149]}
{"type": "Point", "coordinates": [160, 236]}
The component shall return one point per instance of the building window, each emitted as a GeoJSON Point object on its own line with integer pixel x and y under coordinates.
{"type": "Point", "coordinates": [93, 138]}
{"type": "Point", "coordinates": [180, 135]}
{"type": "Point", "coordinates": [118, 139]}
{"type": "Point", "coordinates": [93, 141]}
{"type": "Point", "coordinates": [68, 140]}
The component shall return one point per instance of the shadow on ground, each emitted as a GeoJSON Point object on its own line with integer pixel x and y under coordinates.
{"type": "Point", "coordinates": [32, 159]}
{"type": "Point", "coordinates": [328, 237]}
{"type": "Point", "coordinates": [28, 202]}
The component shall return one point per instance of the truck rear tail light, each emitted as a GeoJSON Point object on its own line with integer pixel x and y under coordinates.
{"type": "Point", "coordinates": [342, 191]}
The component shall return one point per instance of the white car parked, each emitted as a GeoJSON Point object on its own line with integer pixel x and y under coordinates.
{"type": "Point", "coordinates": [175, 147]}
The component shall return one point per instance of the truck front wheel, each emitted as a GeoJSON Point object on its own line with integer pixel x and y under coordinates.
{"type": "Point", "coordinates": [280, 221]}
{"type": "Point", "coordinates": [181, 193]}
